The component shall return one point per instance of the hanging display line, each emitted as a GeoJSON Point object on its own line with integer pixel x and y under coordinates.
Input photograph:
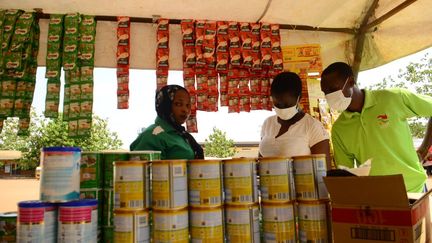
{"type": "Point", "coordinates": [178, 21]}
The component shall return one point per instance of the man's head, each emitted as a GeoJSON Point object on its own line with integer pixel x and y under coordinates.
{"type": "Point", "coordinates": [337, 83]}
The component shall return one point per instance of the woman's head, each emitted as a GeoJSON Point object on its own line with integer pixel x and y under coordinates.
{"type": "Point", "coordinates": [173, 104]}
{"type": "Point", "coordinates": [286, 90]}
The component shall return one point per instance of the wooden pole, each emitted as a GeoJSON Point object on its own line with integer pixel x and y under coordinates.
{"type": "Point", "coordinates": [360, 38]}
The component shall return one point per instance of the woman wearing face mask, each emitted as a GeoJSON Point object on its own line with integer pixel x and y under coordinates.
{"type": "Point", "coordinates": [291, 132]}
{"type": "Point", "coordinates": [167, 134]}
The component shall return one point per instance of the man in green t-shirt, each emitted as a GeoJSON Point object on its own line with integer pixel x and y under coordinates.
{"type": "Point", "coordinates": [373, 125]}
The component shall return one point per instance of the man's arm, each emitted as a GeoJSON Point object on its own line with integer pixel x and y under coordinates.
{"type": "Point", "coordinates": [427, 141]}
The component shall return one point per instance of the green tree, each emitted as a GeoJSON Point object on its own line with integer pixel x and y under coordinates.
{"type": "Point", "coordinates": [218, 145]}
{"type": "Point", "coordinates": [54, 132]}
{"type": "Point", "coordinates": [417, 77]}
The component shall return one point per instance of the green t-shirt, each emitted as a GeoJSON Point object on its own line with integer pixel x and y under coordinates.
{"type": "Point", "coordinates": [161, 136]}
{"type": "Point", "coordinates": [381, 133]}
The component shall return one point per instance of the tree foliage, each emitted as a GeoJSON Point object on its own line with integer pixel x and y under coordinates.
{"type": "Point", "coordinates": [417, 77]}
{"type": "Point", "coordinates": [45, 132]}
{"type": "Point", "coordinates": [218, 145]}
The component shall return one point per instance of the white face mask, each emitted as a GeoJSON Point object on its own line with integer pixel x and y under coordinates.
{"type": "Point", "coordinates": [287, 113]}
{"type": "Point", "coordinates": [337, 100]}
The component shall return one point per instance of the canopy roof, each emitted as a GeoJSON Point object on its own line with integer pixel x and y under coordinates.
{"type": "Point", "coordinates": [365, 33]}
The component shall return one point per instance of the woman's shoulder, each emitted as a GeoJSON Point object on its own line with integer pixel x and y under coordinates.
{"type": "Point", "coordinates": [311, 121]}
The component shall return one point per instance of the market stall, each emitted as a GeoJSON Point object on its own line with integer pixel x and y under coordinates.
{"type": "Point", "coordinates": [213, 43]}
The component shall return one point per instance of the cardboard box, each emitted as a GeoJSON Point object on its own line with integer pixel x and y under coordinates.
{"type": "Point", "coordinates": [376, 209]}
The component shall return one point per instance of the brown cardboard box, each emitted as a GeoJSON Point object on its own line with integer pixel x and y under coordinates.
{"type": "Point", "coordinates": [376, 209]}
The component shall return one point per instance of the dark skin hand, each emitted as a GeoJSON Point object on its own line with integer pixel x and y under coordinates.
{"type": "Point", "coordinates": [422, 151]}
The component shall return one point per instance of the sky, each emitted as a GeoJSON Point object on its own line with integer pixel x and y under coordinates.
{"type": "Point", "coordinates": [241, 127]}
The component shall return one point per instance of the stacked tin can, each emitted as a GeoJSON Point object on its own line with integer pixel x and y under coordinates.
{"type": "Point", "coordinates": [59, 215]}
{"type": "Point", "coordinates": [277, 199]}
{"type": "Point", "coordinates": [241, 200]}
{"type": "Point", "coordinates": [206, 212]}
{"type": "Point", "coordinates": [170, 201]}
{"type": "Point", "coordinates": [126, 196]}
{"type": "Point", "coordinates": [312, 199]}
{"type": "Point", "coordinates": [97, 181]}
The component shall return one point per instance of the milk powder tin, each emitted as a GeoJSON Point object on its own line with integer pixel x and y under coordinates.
{"type": "Point", "coordinates": [131, 226]}
{"type": "Point", "coordinates": [308, 176]}
{"type": "Point", "coordinates": [37, 222]}
{"type": "Point", "coordinates": [169, 184]}
{"type": "Point", "coordinates": [60, 174]}
{"type": "Point", "coordinates": [171, 226]}
{"type": "Point", "coordinates": [206, 224]}
{"type": "Point", "coordinates": [205, 182]}
{"type": "Point", "coordinates": [131, 184]}
{"type": "Point", "coordinates": [242, 223]}
{"type": "Point", "coordinates": [276, 179]}
{"type": "Point", "coordinates": [77, 221]}
{"type": "Point", "coordinates": [240, 181]}
{"type": "Point", "coordinates": [313, 221]}
{"type": "Point", "coordinates": [279, 222]}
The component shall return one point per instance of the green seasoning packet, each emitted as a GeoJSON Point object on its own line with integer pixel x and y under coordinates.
{"type": "Point", "coordinates": [70, 41]}
{"type": "Point", "coordinates": [54, 46]}
{"type": "Point", "coordinates": [9, 27]}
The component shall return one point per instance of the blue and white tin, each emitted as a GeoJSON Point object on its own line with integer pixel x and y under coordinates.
{"type": "Point", "coordinates": [60, 174]}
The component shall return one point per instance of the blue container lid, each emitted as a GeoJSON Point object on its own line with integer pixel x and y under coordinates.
{"type": "Point", "coordinates": [80, 203]}
{"type": "Point", "coordinates": [34, 204]}
{"type": "Point", "coordinates": [61, 149]}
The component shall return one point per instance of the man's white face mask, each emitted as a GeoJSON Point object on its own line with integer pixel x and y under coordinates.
{"type": "Point", "coordinates": [287, 113]}
{"type": "Point", "coordinates": [337, 100]}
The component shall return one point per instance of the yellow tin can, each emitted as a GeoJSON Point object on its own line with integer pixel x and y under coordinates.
{"type": "Point", "coordinates": [131, 226]}
{"type": "Point", "coordinates": [131, 184]}
{"type": "Point", "coordinates": [205, 182]}
{"type": "Point", "coordinates": [206, 224]}
{"type": "Point", "coordinates": [279, 222]}
{"type": "Point", "coordinates": [240, 181]}
{"type": "Point", "coordinates": [313, 220]}
{"type": "Point", "coordinates": [308, 177]}
{"type": "Point", "coordinates": [171, 226]}
{"type": "Point", "coordinates": [242, 223]}
{"type": "Point", "coordinates": [276, 179]}
{"type": "Point", "coordinates": [169, 184]}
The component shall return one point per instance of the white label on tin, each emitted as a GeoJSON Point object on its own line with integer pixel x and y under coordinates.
{"type": "Point", "coordinates": [50, 226]}
{"type": "Point", "coordinates": [303, 167]}
{"type": "Point", "coordinates": [206, 218]}
{"type": "Point", "coordinates": [129, 173]}
{"type": "Point", "coordinates": [160, 173]}
{"type": "Point", "coordinates": [123, 223]}
{"type": "Point", "coordinates": [211, 171]}
{"type": "Point", "coordinates": [238, 216]}
{"type": "Point", "coordinates": [142, 230]}
{"type": "Point", "coordinates": [274, 168]}
{"type": "Point", "coordinates": [278, 214]}
{"type": "Point", "coordinates": [30, 232]}
{"type": "Point", "coordinates": [312, 212]}
{"type": "Point", "coordinates": [60, 178]}
{"type": "Point", "coordinates": [178, 171]}
{"type": "Point", "coordinates": [170, 221]}
{"type": "Point", "coordinates": [237, 170]}
{"type": "Point", "coordinates": [82, 232]}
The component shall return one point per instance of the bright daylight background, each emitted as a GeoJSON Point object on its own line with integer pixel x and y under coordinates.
{"type": "Point", "coordinates": [241, 127]}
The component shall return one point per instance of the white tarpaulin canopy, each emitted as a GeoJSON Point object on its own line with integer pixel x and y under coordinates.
{"type": "Point", "coordinates": [365, 33]}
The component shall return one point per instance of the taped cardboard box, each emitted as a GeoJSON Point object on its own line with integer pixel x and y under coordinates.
{"type": "Point", "coordinates": [376, 209]}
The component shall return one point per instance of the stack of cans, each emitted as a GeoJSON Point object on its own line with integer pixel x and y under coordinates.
{"type": "Point", "coordinates": [277, 199]}
{"type": "Point", "coordinates": [98, 181]}
{"type": "Point", "coordinates": [241, 201]}
{"type": "Point", "coordinates": [312, 198]}
{"type": "Point", "coordinates": [206, 201]}
{"type": "Point", "coordinates": [59, 216]}
{"type": "Point", "coordinates": [170, 201]}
